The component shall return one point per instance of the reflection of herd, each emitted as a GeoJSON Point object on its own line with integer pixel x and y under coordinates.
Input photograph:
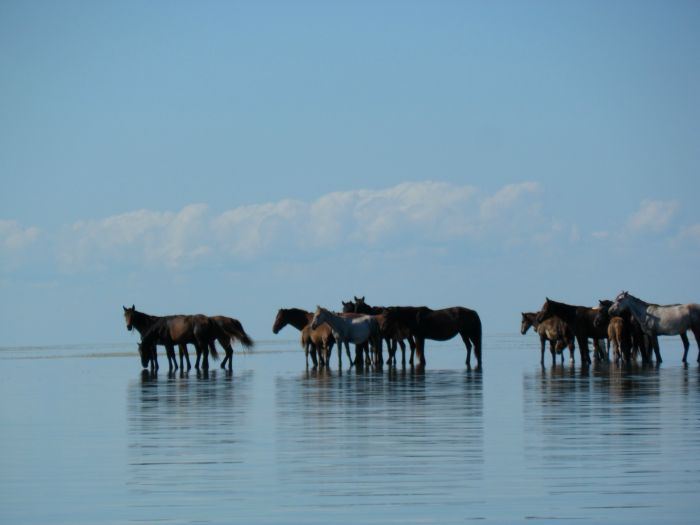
{"type": "Point", "coordinates": [629, 324]}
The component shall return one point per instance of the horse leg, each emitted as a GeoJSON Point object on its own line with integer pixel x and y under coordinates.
{"type": "Point", "coordinates": [655, 345]}
{"type": "Point", "coordinates": [170, 352]}
{"type": "Point", "coordinates": [205, 356]}
{"type": "Point", "coordinates": [468, 345]}
{"type": "Point", "coordinates": [542, 346]}
{"type": "Point", "coordinates": [229, 356]}
{"type": "Point", "coordinates": [185, 353]}
{"type": "Point", "coordinates": [583, 350]}
{"type": "Point", "coordinates": [686, 345]}
{"type": "Point", "coordinates": [696, 333]}
{"type": "Point", "coordinates": [420, 351]}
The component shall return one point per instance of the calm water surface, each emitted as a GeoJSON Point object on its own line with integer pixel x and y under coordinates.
{"type": "Point", "coordinates": [88, 438]}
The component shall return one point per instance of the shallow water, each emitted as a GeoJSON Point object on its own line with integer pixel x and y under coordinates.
{"type": "Point", "coordinates": [88, 438]}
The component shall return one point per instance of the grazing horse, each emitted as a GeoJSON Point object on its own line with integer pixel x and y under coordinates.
{"type": "Point", "coordinates": [580, 319]}
{"type": "Point", "coordinates": [315, 340]}
{"type": "Point", "coordinates": [357, 330]}
{"type": "Point", "coordinates": [655, 320]}
{"type": "Point", "coordinates": [438, 325]}
{"type": "Point", "coordinates": [554, 330]}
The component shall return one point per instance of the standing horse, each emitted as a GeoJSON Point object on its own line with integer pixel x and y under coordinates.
{"type": "Point", "coordinates": [554, 330]}
{"type": "Point", "coordinates": [199, 330]}
{"type": "Point", "coordinates": [580, 319]}
{"type": "Point", "coordinates": [315, 340]}
{"type": "Point", "coordinates": [392, 337]}
{"type": "Point", "coordinates": [357, 330]}
{"type": "Point", "coordinates": [655, 320]}
{"type": "Point", "coordinates": [439, 325]}
{"type": "Point", "coordinates": [142, 322]}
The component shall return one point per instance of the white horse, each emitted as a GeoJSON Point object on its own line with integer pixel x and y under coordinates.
{"type": "Point", "coordinates": [357, 330]}
{"type": "Point", "coordinates": [674, 319]}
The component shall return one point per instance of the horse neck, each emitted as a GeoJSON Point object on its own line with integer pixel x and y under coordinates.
{"type": "Point", "coordinates": [143, 322]}
{"type": "Point", "coordinates": [637, 307]}
{"type": "Point", "coordinates": [531, 320]}
{"type": "Point", "coordinates": [337, 323]}
{"type": "Point", "coordinates": [564, 311]}
{"type": "Point", "coordinates": [298, 318]}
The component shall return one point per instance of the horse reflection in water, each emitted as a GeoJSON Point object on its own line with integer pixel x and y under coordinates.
{"type": "Point", "coordinates": [185, 428]}
{"type": "Point", "coordinates": [409, 428]}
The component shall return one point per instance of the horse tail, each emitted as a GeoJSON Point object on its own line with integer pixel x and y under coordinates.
{"type": "Point", "coordinates": [212, 351]}
{"type": "Point", "coordinates": [476, 336]}
{"type": "Point", "coordinates": [235, 330]}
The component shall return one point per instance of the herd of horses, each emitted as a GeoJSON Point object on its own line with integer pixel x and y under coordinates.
{"type": "Point", "coordinates": [369, 327]}
{"type": "Point", "coordinates": [629, 324]}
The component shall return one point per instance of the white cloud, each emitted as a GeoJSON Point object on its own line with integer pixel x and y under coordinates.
{"type": "Point", "coordinates": [156, 237]}
{"type": "Point", "coordinates": [652, 216]}
{"type": "Point", "coordinates": [409, 214]}
{"type": "Point", "coordinates": [503, 199]}
{"type": "Point", "coordinates": [14, 238]}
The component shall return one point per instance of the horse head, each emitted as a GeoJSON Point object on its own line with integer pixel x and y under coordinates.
{"type": "Point", "coordinates": [279, 321]}
{"type": "Point", "coordinates": [348, 307]}
{"type": "Point", "coordinates": [525, 323]}
{"type": "Point", "coordinates": [603, 314]}
{"type": "Point", "coordinates": [318, 318]}
{"type": "Point", "coordinates": [146, 354]}
{"type": "Point", "coordinates": [129, 316]}
{"type": "Point", "coordinates": [620, 304]}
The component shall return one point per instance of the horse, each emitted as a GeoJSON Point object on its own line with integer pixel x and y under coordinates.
{"type": "Point", "coordinates": [439, 325]}
{"type": "Point", "coordinates": [392, 338]}
{"type": "Point", "coordinates": [357, 330]}
{"type": "Point", "coordinates": [142, 322]}
{"type": "Point", "coordinates": [180, 329]}
{"type": "Point", "coordinates": [580, 320]}
{"type": "Point", "coordinates": [655, 320]}
{"type": "Point", "coordinates": [618, 336]}
{"type": "Point", "coordinates": [554, 330]}
{"type": "Point", "coordinates": [315, 340]}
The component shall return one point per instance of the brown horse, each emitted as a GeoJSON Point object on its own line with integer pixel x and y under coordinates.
{"type": "Point", "coordinates": [439, 325]}
{"type": "Point", "coordinates": [199, 330]}
{"type": "Point", "coordinates": [580, 320]}
{"type": "Point", "coordinates": [392, 338]}
{"type": "Point", "coordinates": [554, 330]}
{"type": "Point", "coordinates": [314, 341]}
{"type": "Point", "coordinates": [143, 322]}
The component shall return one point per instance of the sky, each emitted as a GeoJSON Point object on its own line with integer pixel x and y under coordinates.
{"type": "Point", "coordinates": [238, 157]}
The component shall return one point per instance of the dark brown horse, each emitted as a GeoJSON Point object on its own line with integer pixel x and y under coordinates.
{"type": "Point", "coordinates": [224, 329]}
{"type": "Point", "coordinates": [314, 341]}
{"type": "Point", "coordinates": [393, 337]}
{"type": "Point", "coordinates": [580, 320]}
{"type": "Point", "coordinates": [142, 322]}
{"type": "Point", "coordinates": [199, 330]}
{"type": "Point", "coordinates": [439, 325]}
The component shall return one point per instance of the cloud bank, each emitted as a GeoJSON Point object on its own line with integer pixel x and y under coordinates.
{"type": "Point", "coordinates": [412, 212]}
{"type": "Point", "coordinates": [412, 215]}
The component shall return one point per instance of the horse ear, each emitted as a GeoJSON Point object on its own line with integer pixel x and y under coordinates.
{"type": "Point", "coordinates": [124, 307]}
{"type": "Point", "coordinates": [546, 299]}
{"type": "Point", "coordinates": [133, 307]}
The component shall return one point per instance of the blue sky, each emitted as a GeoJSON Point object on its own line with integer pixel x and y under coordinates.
{"type": "Point", "coordinates": [238, 157]}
